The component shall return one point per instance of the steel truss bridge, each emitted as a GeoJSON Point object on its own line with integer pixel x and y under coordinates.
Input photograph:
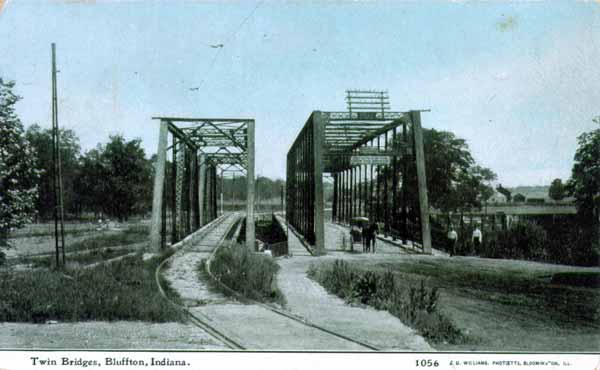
{"type": "Point", "coordinates": [185, 188]}
{"type": "Point", "coordinates": [369, 153]}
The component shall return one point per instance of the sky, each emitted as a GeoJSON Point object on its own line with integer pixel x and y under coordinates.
{"type": "Point", "coordinates": [518, 80]}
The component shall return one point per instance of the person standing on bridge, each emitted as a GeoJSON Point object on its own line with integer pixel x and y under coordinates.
{"type": "Point", "coordinates": [452, 238]}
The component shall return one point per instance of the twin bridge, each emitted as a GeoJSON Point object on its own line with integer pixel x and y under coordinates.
{"type": "Point", "coordinates": [371, 159]}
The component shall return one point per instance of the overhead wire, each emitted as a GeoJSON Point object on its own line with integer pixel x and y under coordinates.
{"type": "Point", "coordinates": [226, 42]}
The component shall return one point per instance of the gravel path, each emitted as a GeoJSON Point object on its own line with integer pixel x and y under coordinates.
{"type": "Point", "coordinates": [309, 300]}
{"type": "Point", "coordinates": [121, 335]}
{"type": "Point", "coordinates": [252, 326]}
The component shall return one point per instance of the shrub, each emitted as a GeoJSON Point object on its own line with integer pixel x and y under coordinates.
{"type": "Point", "coordinates": [523, 240]}
{"type": "Point", "coordinates": [366, 287]}
{"type": "Point", "coordinates": [250, 274]}
{"type": "Point", "coordinates": [416, 306]}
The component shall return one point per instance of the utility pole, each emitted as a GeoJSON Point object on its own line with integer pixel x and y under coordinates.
{"type": "Point", "coordinates": [57, 172]}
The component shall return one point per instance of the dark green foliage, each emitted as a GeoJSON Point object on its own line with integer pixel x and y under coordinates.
{"type": "Point", "coordinates": [584, 185]}
{"type": "Point", "coordinates": [236, 188]}
{"type": "Point", "coordinates": [585, 279]}
{"type": "Point", "coordinates": [415, 305]}
{"type": "Point", "coordinates": [123, 290]}
{"type": "Point", "coordinates": [366, 286]}
{"type": "Point", "coordinates": [519, 198]}
{"type": "Point", "coordinates": [18, 173]}
{"type": "Point", "coordinates": [41, 142]}
{"type": "Point", "coordinates": [250, 274]}
{"type": "Point", "coordinates": [116, 178]}
{"type": "Point", "coordinates": [523, 240]}
{"type": "Point", "coordinates": [557, 190]}
{"type": "Point", "coordinates": [454, 181]}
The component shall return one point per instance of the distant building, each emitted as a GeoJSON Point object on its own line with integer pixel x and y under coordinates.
{"type": "Point", "coordinates": [497, 198]}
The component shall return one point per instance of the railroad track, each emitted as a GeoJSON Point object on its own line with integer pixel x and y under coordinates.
{"type": "Point", "coordinates": [218, 231]}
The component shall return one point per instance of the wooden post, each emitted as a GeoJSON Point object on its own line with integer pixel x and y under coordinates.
{"type": "Point", "coordinates": [250, 236]}
{"type": "Point", "coordinates": [415, 117]}
{"type": "Point", "coordinates": [318, 137]}
{"type": "Point", "coordinates": [159, 182]}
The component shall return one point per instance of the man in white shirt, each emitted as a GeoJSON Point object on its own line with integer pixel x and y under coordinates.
{"type": "Point", "coordinates": [477, 238]}
{"type": "Point", "coordinates": [452, 238]}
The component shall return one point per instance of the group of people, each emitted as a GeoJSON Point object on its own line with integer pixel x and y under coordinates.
{"type": "Point", "coordinates": [476, 239]}
{"type": "Point", "coordinates": [369, 236]}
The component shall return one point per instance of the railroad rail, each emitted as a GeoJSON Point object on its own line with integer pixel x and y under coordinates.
{"type": "Point", "coordinates": [220, 229]}
{"type": "Point", "coordinates": [277, 310]}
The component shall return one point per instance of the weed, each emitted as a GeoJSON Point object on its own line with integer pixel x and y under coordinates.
{"type": "Point", "coordinates": [123, 290]}
{"type": "Point", "coordinates": [416, 306]}
{"type": "Point", "coordinates": [250, 274]}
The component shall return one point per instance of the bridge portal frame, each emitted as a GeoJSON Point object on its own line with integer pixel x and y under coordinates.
{"type": "Point", "coordinates": [199, 147]}
{"type": "Point", "coordinates": [329, 142]}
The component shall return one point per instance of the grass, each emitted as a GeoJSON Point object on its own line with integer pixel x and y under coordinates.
{"type": "Point", "coordinates": [131, 235]}
{"type": "Point", "coordinates": [250, 274]}
{"type": "Point", "coordinates": [99, 248]}
{"type": "Point", "coordinates": [93, 256]}
{"type": "Point", "coordinates": [414, 304]}
{"type": "Point", "coordinates": [513, 287]}
{"type": "Point", "coordinates": [122, 290]}
{"type": "Point", "coordinates": [504, 305]}
{"type": "Point", "coordinates": [50, 232]}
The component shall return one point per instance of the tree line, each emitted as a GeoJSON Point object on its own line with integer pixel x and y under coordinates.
{"type": "Point", "coordinates": [113, 179]}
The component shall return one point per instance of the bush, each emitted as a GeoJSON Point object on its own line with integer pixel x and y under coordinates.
{"type": "Point", "coordinates": [250, 274]}
{"type": "Point", "coordinates": [416, 306]}
{"type": "Point", "coordinates": [523, 240]}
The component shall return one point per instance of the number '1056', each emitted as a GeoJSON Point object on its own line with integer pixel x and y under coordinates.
{"type": "Point", "coordinates": [427, 363]}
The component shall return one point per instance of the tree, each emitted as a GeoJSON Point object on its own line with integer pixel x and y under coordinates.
{"type": "Point", "coordinates": [88, 184]}
{"type": "Point", "coordinates": [454, 181]}
{"type": "Point", "coordinates": [584, 183]}
{"type": "Point", "coordinates": [127, 178]}
{"type": "Point", "coordinates": [41, 141]}
{"type": "Point", "coordinates": [557, 190]}
{"type": "Point", "coordinates": [519, 198]}
{"type": "Point", "coordinates": [18, 174]}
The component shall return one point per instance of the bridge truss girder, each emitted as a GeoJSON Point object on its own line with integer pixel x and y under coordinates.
{"type": "Point", "coordinates": [185, 191]}
{"type": "Point", "coordinates": [327, 143]}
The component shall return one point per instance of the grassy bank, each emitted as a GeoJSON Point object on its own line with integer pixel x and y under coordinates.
{"type": "Point", "coordinates": [122, 290]}
{"type": "Point", "coordinates": [415, 304]}
{"type": "Point", "coordinates": [504, 305]}
{"type": "Point", "coordinates": [250, 274]}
